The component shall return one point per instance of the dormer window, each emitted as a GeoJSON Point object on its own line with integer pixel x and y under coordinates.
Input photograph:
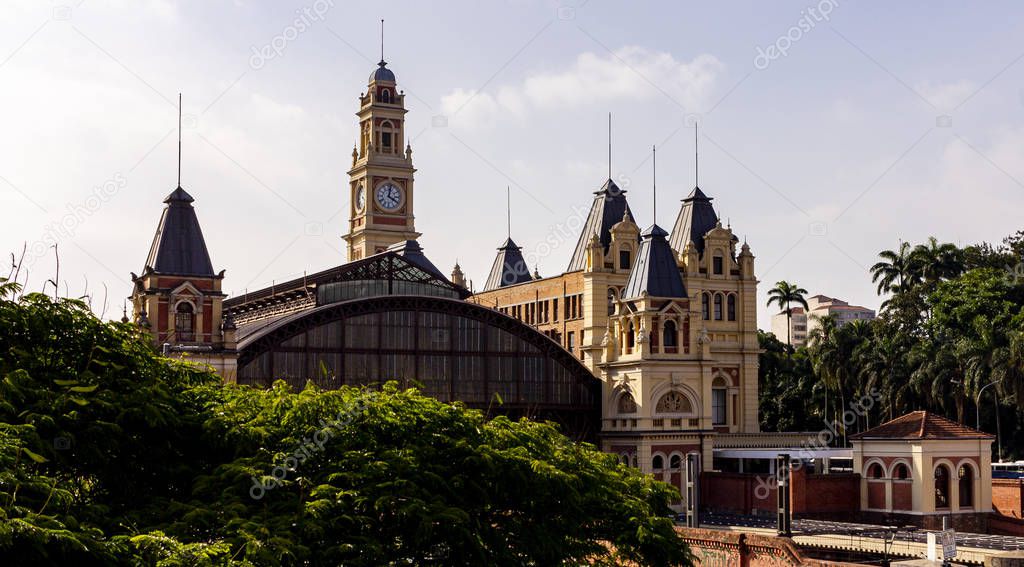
{"type": "Point", "coordinates": [716, 265]}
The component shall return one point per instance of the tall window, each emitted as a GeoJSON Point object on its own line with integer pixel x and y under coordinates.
{"type": "Point", "coordinates": [385, 95]}
{"type": "Point", "coordinates": [718, 406]}
{"type": "Point", "coordinates": [966, 486]}
{"type": "Point", "coordinates": [731, 307]}
{"type": "Point", "coordinates": [671, 339]}
{"type": "Point", "coordinates": [611, 301]}
{"type": "Point", "coordinates": [718, 307]}
{"type": "Point", "coordinates": [184, 318]}
{"type": "Point", "coordinates": [716, 265]}
{"type": "Point", "coordinates": [942, 486]}
{"type": "Point", "coordinates": [571, 341]}
{"type": "Point", "coordinates": [705, 303]}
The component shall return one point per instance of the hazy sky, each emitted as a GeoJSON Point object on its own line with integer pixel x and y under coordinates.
{"type": "Point", "coordinates": [822, 132]}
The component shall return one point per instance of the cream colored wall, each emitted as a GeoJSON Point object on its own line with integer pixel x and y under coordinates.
{"type": "Point", "coordinates": [924, 456]}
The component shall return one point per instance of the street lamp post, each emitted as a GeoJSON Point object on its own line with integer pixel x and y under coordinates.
{"type": "Point", "coordinates": [977, 414]}
{"type": "Point", "coordinates": [977, 417]}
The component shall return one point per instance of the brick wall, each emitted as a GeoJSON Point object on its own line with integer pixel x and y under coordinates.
{"type": "Point", "coordinates": [736, 493]}
{"type": "Point", "coordinates": [713, 548]}
{"type": "Point", "coordinates": [816, 494]}
{"type": "Point", "coordinates": [1008, 496]}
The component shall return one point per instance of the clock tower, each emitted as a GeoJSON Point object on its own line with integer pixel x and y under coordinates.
{"type": "Point", "coordinates": [381, 178]}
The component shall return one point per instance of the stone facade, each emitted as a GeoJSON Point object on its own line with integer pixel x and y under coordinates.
{"type": "Point", "coordinates": [381, 176]}
{"type": "Point", "coordinates": [676, 371]}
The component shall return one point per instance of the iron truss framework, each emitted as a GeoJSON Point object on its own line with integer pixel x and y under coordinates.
{"type": "Point", "coordinates": [262, 354]}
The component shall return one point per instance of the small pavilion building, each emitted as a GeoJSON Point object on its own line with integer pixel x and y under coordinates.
{"type": "Point", "coordinates": [923, 466]}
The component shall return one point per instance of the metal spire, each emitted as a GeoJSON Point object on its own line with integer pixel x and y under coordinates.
{"type": "Point", "coordinates": [654, 160]}
{"type": "Point", "coordinates": [179, 140]}
{"type": "Point", "coordinates": [609, 145]}
{"type": "Point", "coordinates": [382, 39]}
{"type": "Point", "coordinates": [508, 209]}
{"type": "Point", "coordinates": [696, 158]}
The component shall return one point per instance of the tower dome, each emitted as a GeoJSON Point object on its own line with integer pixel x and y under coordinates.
{"type": "Point", "coordinates": [382, 73]}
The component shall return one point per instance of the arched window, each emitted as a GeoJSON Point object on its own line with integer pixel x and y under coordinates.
{"type": "Point", "coordinates": [385, 95]}
{"type": "Point", "coordinates": [658, 462]}
{"type": "Point", "coordinates": [966, 474]}
{"type": "Point", "coordinates": [718, 397]}
{"type": "Point", "coordinates": [942, 486]}
{"type": "Point", "coordinates": [626, 403]}
{"type": "Point", "coordinates": [705, 303]}
{"type": "Point", "coordinates": [184, 318]}
{"type": "Point", "coordinates": [611, 301]}
{"type": "Point", "coordinates": [901, 472]}
{"type": "Point", "coordinates": [387, 136]}
{"type": "Point", "coordinates": [718, 307]}
{"type": "Point", "coordinates": [674, 402]}
{"type": "Point", "coordinates": [675, 462]}
{"type": "Point", "coordinates": [671, 338]}
{"type": "Point", "coordinates": [875, 471]}
{"type": "Point", "coordinates": [731, 307]}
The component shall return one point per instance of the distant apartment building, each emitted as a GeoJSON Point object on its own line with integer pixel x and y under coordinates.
{"type": "Point", "coordinates": [803, 322]}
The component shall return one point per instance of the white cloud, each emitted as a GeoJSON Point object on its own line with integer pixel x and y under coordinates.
{"type": "Point", "coordinates": [631, 73]}
{"type": "Point", "coordinates": [947, 96]}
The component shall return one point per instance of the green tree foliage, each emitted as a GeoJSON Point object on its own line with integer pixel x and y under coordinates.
{"type": "Point", "coordinates": [951, 324]}
{"type": "Point", "coordinates": [111, 455]}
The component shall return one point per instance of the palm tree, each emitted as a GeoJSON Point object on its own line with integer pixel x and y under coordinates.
{"type": "Point", "coordinates": [933, 262]}
{"type": "Point", "coordinates": [938, 375]}
{"type": "Point", "coordinates": [784, 294]}
{"type": "Point", "coordinates": [822, 333]}
{"type": "Point", "coordinates": [884, 369]}
{"type": "Point", "coordinates": [896, 271]}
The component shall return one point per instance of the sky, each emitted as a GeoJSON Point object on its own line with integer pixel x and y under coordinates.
{"type": "Point", "coordinates": [828, 130]}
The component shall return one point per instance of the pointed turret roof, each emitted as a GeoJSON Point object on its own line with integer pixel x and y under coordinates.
{"type": "Point", "coordinates": [509, 267]}
{"type": "Point", "coordinates": [696, 217]}
{"type": "Point", "coordinates": [608, 209]}
{"type": "Point", "coordinates": [413, 252]}
{"type": "Point", "coordinates": [178, 245]}
{"type": "Point", "coordinates": [655, 272]}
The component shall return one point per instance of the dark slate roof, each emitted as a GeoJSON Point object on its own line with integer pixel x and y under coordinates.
{"type": "Point", "coordinates": [178, 245]}
{"type": "Point", "coordinates": [509, 267]}
{"type": "Point", "coordinates": [382, 73]}
{"type": "Point", "coordinates": [922, 425]}
{"type": "Point", "coordinates": [607, 210]}
{"type": "Point", "coordinates": [655, 271]}
{"type": "Point", "coordinates": [413, 252]}
{"type": "Point", "coordinates": [696, 218]}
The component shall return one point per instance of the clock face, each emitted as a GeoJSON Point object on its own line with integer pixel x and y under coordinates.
{"type": "Point", "coordinates": [360, 198]}
{"type": "Point", "coordinates": [389, 196]}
